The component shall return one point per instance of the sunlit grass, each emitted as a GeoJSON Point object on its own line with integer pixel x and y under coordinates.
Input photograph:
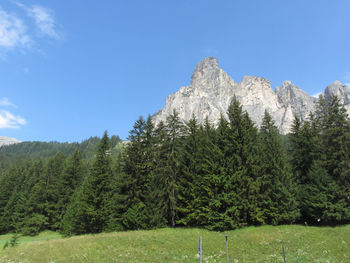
{"type": "Point", "coordinates": [251, 244]}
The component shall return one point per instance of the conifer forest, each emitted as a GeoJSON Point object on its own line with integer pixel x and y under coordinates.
{"type": "Point", "coordinates": [218, 176]}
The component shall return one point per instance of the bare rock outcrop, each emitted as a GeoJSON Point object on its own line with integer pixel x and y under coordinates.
{"type": "Point", "coordinates": [212, 90]}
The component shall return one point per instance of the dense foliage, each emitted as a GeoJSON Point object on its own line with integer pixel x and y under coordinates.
{"type": "Point", "coordinates": [186, 174]}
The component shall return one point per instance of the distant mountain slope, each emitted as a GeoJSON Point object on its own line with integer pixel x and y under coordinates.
{"type": "Point", "coordinates": [212, 90]}
{"type": "Point", "coordinates": [47, 149]}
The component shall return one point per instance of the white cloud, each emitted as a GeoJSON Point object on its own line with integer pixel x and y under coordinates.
{"type": "Point", "coordinates": [17, 28]}
{"type": "Point", "coordinates": [316, 95]}
{"type": "Point", "coordinates": [10, 121]}
{"type": "Point", "coordinates": [6, 103]}
{"type": "Point", "coordinates": [13, 32]}
{"type": "Point", "coordinates": [44, 20]}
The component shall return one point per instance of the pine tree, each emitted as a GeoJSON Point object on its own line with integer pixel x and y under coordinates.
{"type": "Point", "coordinates": [208, 184]}
{"type": "Point", "coordinates": [334, 145]}
{"type": "Point", "coordinates": [35, 219]}
{"type": "Point", "coordinates": [164, 179]}
{"type": "Point", "coordinates": [72, 176]}
{"type": "Point", "coordinates": [131, 196]}
{"type": "Point", "coordinates": [323, 171]}
{"type": "Point", "coordinates": [316, 194]}
{"type": "Point", "coordinates": [242, 168]}
{"type": "Point", "coordinates": [174, 129]}
{"type": "Point", "coordinates": [188, 194]}
{"type": "Point", "coordinates": [53, 172]}
{"type": "Point", "coordinates": [89, 210]}
{"type": "Point", "coordinates": [210, 206]}
{"type": "Point", "coordinates": [277, 187]}
{"type": "Point", "coordinates": [158, 197]}
{"type": "Point", "coordinates": [12, 197]}
{"type": "Point", "coordinates": [303, 146]}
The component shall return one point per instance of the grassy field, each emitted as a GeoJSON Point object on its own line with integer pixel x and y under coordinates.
{"type": "Point", "coordinates": [251, 244]}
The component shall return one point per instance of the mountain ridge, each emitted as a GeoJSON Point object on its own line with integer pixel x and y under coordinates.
{"type": "Point", "coordinates": [211, 90]}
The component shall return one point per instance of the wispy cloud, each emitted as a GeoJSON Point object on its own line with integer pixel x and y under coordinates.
{"type": "Point", "coordinates": [22, 28]}
{"type": "Point", "coordinates": [316, 95]}
{"type": "Point", "coordinates": [13, 32]}
{"type": "Point", "coordinates": [10, 121]}
{"type": "Point", "coordinates": [7, 119]}
{"type": "Point", "coordinates": [44, 19]}
{"type": "Point", "coordinates": [6, 103]}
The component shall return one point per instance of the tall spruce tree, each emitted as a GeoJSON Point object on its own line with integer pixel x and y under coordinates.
{"type": "Point", "coordinates": [89, 210]}
{"type": "Point", "coordinates": [72, 176]}
{"type": "Point", "coordinates": [208, 185]}
{"type": "Point", "coordinates": [237, 201]}
{"type": "Point", "coordinates": [277, 185]}
{"type": "Point", "coordinates": [158, 204]}
{"type": "Point", "coordinates": [174, 129]}
{"type": "Point", "coordinates": [12, 199]}
{"type": "Point", "coordinates": [213, 206]}
{"type": "Point", "coordinates": [188, 193]}
{"type": "Point", "coordinates": [243, 166]}
{"type": "Point", "coordinates": [303, 146]}
{"type": "Point", "coordinates": [334, 151]}
{"type": "Point", "coordinates": [131, 196]}
{"type": "Point", "coordinates": [52, 189]}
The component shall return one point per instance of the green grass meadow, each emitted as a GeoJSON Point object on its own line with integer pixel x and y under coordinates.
{"type": "Point", "coordinates": [251, 244]}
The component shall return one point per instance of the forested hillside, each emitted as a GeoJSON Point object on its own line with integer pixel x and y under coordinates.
{"type": "Point", "coordinates": [36, 150]}
{"type": "Point", "coordinates": [186, 174]}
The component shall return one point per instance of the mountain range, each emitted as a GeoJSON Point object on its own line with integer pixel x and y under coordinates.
{"type": "Point", "coordinates": [211, 91]}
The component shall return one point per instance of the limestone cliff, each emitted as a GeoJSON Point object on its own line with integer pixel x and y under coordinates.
{"type": "Point", "coordinates": [212, 90]}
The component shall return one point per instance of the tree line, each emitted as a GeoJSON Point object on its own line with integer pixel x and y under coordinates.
{"type": "Point", "coordinates": [189, 174]}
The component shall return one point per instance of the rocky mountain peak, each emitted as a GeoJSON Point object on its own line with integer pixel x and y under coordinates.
{"type": "Point", "coordinates": [208, 74]}
{"type": "Point", "coordinates": [339, 90]}
{"type": "Point", "coordinates": [206, 66]}
{"type": "Point", "coordinates": [7, 141]}
{"type": "Point", "coordinates": [212, 90]}
{"type": "Point", "coordinates": [288, 92]}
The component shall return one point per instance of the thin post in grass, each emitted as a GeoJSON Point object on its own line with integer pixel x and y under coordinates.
{"type": "Point", "coordinates": [284, 254]}
{"type": "Point", "coordinates": [227, 258]}
{"type": "Point", "coordinates": [200, 249]}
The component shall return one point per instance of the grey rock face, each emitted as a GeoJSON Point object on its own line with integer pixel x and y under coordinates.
{"type": "Point", "coordinates": [341, 91]}
{"type": "Point", "coordinates": [7, 141]}
{"type": "Point", "coordinates": [212, 90]}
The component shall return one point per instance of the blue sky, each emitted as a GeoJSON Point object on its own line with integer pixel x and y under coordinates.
{"type": "Point", "coordinates": [72, 69]}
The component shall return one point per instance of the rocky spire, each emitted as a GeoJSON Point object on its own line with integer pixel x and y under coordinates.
{"type": "Point", "coordinates": [208, 68]}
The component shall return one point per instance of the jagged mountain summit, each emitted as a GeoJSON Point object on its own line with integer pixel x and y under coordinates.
{"type": "Point", "coordinates": [8, 141]}
{"type": "Point", "coordinates": [212, 90]}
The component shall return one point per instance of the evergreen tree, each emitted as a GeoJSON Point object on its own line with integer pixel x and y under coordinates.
{"type": "Point", "coordinates": [242, 170]}
{"type": "Point", "coordinates": [89, 210]}
{"type": "Point", "coordinates": [35, 201]}
{"type": "Point", "coordinates": [158, 195]}
{"type": "Point", "coordinates": [72, 176]}
{"type": "Point", "coordinates": [53, 172]}
{"type": "Point", "coordinates": [334, 148]}
{"type": "Point", "coordinates": [277, 187]}
{"type": "Point", "coordinates": [188, 193]}
{"type": "Point", "coordinates": [131, 195]}
{"type": "Point", "coordinates": [174, 129]}
{"type": "Point", "coordinates": [316, 194]}
{"type": "Point", "coordinates": [12, 199]}
{"type": "Point", "coordinates": [303, 147]}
